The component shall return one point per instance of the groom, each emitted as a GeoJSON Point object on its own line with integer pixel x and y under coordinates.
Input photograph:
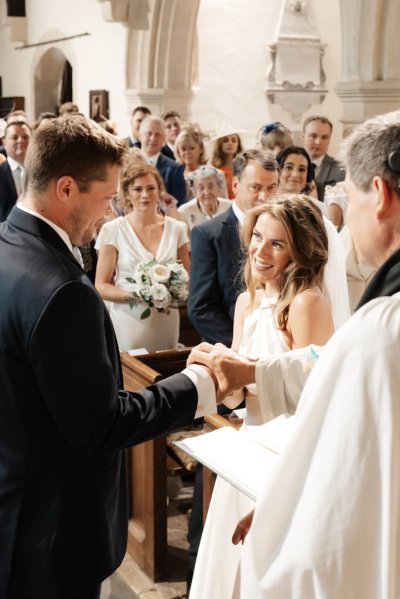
{"type": "Point", "coordinates": [64, 418]}
{"type": "Point", "coordinates": [341, 470]}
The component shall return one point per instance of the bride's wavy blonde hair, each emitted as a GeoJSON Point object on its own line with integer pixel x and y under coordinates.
{"type": "Point", "coordinates": [307, 244]}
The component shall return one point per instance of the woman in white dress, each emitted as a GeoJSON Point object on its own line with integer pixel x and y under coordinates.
{"type": "Point", "coordinates": [140, 236]}
{"type": "Point", "coordinates": [282, 309]}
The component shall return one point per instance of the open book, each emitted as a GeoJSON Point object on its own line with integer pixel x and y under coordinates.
{"type": "Point", "coordinates": [242, 457]}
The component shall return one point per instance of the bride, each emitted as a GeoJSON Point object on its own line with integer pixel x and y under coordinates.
{"type": "Point", "coordinates": [282, 309]}
{"type": "Point", "coordinates": [140, 236]}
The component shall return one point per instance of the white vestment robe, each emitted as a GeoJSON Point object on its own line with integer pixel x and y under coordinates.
{"type": "Point", "coordinates": [327, 524]}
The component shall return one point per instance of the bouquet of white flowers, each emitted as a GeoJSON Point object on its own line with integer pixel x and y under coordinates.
{"type": "Point", "coordinates": [159, 286]}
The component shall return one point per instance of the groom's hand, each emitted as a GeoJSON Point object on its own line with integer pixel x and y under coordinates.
{"type": "Point", "coordinates": [232, 370]}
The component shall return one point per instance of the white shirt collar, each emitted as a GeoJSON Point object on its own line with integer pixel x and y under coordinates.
{"type": "Point", "coordinates": [318, 161]}
{"type": "Point", "coordinates": [63, 234]}
{"type": "Point", "coordinates": [238, 213]}
{"type": "Point", "coordinates": [153, 159]}
{"type": "Point", "coordinates": [14, 164]}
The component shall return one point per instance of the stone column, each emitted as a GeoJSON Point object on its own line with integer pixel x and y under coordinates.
{"type": "Point", "coordinates": [370, 82]}
{"type": "Point", "coordinates": [160, 46]}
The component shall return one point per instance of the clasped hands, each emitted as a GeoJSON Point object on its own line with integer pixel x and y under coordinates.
{"type": "Point", "coordinates": [230, 370]}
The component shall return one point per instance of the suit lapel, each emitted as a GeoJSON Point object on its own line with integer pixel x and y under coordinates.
{"type": "Point", "coordinates": [324, 169]}
{"type": "Point", "coordinates": [37, 227]}
{"type": "Point", "coordinates": [230, 226]}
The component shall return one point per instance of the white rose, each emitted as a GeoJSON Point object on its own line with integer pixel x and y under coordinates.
{"type": "Point", "coordinates": [160, 295]}
{"type": "Point", "coordinates": [160, 273]}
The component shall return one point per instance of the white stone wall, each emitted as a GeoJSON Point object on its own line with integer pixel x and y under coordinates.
{"type": "Point", "coordinates": [232, 60]}
{"type": "Point", "coordinates": [98, 60]}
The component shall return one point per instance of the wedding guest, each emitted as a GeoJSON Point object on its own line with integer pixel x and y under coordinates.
{"type": "Point", "coordinates": [296, 173]}
{"type": "Point", "coordinates": [173, 126]}
{"type": "Point", "coordinates": [141, 236]}
{"type": "Point", "coordinates": [336, 201]}
{"type": "Point", "coordinates": [139, 113]}
{"type": "Point", "coordinates": [17, 137]}
{"type": "Point", "coordinates": [227, 145]}
{"type": "Point", "coordinates": [317, 132]}
{"type": "Point", "coordinates": [152, 139]}
{"type": "Point", "coordinates": [68, 108]}
{"type": "Point", "coordinates": [191, 152]}
{"type": "Point", "coordinates": [17, 116]}
{"type": "Point", "coordinates": [207, 187]}
{"type": "Point", "coordinates": [274, 137]}
{"type": "Point", "coordinates": [44, 117]}
{"type": "Point", "coordinates": [296, 176]}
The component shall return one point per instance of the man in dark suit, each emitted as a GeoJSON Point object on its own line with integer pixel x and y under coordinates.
{"type": "Point", "coordinates": [64, 420]}
{"type": "Point", "coordinates": [317, 132]}
{"type": "Point", "coordinates": [215, 281]}
{"type": "Point", "coordinates": [16, 140]}
{"type": "Point", "coordinates": [152, 137]}
{"type": "Point", "coordinates": [139, 113]}
{"type": "Point", "coordinates": [215, 249]}
{"type": "Point", "coordinates": [173, 126]}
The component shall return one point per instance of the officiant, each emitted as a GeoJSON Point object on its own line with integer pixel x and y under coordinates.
{"type": "Point", "coordinates": [335, 530]}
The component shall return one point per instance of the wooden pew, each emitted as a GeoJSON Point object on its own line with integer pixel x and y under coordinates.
{"type": "Point", "coordinates": [147, 468]}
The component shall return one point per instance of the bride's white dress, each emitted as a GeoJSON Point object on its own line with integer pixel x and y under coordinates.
{"type": "Point", "coordinates": [216, 574]}
{"type": "Point", "coordinates": [160, 330]}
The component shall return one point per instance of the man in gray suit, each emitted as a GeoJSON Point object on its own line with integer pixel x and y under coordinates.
{"type": "Point", "coordinates": [317, 131]}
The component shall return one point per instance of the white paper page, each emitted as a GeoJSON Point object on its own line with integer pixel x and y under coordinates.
{"type": "Point", "coordinates": [232, 456]}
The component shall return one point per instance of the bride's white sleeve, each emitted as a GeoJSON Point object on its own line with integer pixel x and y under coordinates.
{"type": "Point", "coordinates": [335, 280]}
{"type": "Point", "coordinates": [280, 380]}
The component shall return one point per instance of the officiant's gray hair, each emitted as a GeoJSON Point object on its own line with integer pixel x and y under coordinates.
{"type": "Point", "coordinates": [366, 151]}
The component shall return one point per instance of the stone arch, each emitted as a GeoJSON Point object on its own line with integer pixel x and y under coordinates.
{"type": "Point", "coordinates": [160, 51]}
{"type": "Point", "coordinates": [48, 80]}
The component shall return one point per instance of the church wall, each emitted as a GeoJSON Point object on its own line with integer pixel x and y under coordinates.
{"type": "Point", "coordinates": [98, 60]}
{"type": "Point", "coordinates": [232, 59]}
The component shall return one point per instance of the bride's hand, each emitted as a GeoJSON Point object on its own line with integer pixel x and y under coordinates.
{"type": "Point", "coordinates": [242, 528]}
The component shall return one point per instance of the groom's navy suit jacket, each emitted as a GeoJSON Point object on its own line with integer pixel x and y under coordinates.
{"type": "Point", "coordinates": [215, 281]}
{"type": "Point", "coordinates": [64, 420]}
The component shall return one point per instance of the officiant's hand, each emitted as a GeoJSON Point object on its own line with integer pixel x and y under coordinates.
{"type": "Point", "coordinates": [242, 528]}
{"type": "Point", "coordinates": [232, 370]}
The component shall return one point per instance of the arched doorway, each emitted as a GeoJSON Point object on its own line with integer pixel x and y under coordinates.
{"type": "Point", "coordinates": [53, 81]}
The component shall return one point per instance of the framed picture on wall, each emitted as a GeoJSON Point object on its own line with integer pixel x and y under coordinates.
{"type": "Point", "coordinates": [98, 104]}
